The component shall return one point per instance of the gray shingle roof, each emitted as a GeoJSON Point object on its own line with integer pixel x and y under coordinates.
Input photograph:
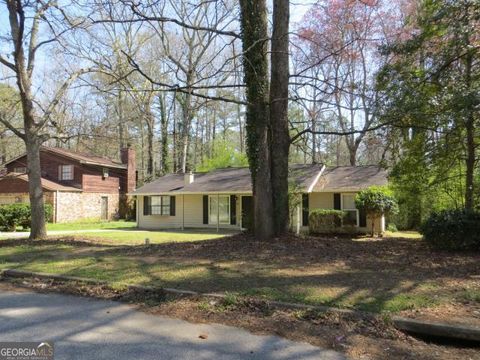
{"type": "Point", "coordinates": [306, 177]}
{"type": "Point", "coordinates": [224, 180]}
{"type": "Point", "coordinates": [350, 178]}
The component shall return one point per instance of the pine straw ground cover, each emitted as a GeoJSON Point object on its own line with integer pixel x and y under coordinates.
{"type": "Point", "coordinates": [386, 276]}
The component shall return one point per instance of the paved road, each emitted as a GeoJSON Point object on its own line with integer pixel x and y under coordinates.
{"type": "Point", "coordinates": [84, 328]}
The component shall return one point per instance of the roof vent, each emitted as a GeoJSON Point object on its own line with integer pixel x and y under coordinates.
{"type": "Point", "coordinates": [189, 178]}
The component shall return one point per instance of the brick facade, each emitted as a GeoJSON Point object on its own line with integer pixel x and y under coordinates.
{"type": "Point", "coordinates": [80, 198]}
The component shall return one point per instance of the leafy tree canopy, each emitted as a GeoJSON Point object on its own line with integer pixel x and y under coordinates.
{"type": "Point", "coordinates": [225, 155]}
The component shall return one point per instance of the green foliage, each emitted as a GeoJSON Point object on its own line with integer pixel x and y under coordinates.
{"type": "Point", "coordinates": [453, 230]}
{"type": "Point", "coordinates": [322, 221]}
{"type": "Point", "coordinates": [431, 93]}
{"type": "Point", "coordinates": [392, 227]}
{"type": "Point", "coordinates": [14, 215]}
{"type": "Point", "coordinates": [225, 155]}
{"type": "Point", "coordinates": [376, 200]}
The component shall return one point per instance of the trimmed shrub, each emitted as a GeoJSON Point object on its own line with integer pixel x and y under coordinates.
{"type": "Point", "coordinates": [376, 201]}
{"type": "Point", "coordinates": [325, 221]}
{"type": "Point", "coordinates": [14, 215]}
{"type": "Point", "coordinates": [453, 230]}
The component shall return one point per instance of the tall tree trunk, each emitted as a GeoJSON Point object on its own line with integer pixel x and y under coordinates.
{"type": "Point", "coordinates": [186, 121]}
{"type": "Point", "coordinates": [164, 135]}
{"type": "Point", "coordinates": [470, 127]}
{"type": "Point", "coordinates": [31, 136]}
{"type": "Point", "coordinates": [38, 229]}
{"type": "Point", "coordinates": [150, 127]}
{"type": "Point", "coordinates": [352, 151]}
{"type": "Point", "coordinates": [255, 62]}
{"type": "Point", "coordinates": [279, 114]}
{"type": "Point", "coordinates": [174, 136]}
{"type": "Point", "coordinates": [121, 129]}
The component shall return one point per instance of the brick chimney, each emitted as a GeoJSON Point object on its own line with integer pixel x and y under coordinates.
{"type": "Point", "coordinates": [127, 156]}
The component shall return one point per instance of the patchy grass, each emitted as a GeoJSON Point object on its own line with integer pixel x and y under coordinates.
{"type": "Point", "coordinates": [403, 234]}
{"type": "Point", "coordinates": [124, 233]}
{"type": "Point", "coordinates": [91, 225]}
{"type": "Point", "coordinates": [381, 275]}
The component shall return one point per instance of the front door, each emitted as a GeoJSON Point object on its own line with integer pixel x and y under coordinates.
{"type": "Point", "coordinates": [104, 208]}
{"type": "Point", "coordinates": [247, 212]}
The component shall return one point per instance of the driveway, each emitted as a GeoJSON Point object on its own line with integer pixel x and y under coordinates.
{"type": "Point", "coordinates": [85, 328]}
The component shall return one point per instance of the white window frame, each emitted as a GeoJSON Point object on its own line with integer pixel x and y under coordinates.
{"type": "Point", "coordinates": [20, 170]}
{"type": "Point", "coordinates": [160, 208]}
{"type": "Point", "coordinates": [61, 173]}
{"type": "Point", "coordinates": [216, 214]}
{"type": "Point", "coordinates": [344, 209]}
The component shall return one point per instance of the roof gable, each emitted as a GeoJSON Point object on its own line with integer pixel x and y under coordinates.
{"type": "Point", "coordinates": [82, 158]}
{"type": "Point", "coordinates": [46, 184]}
{"type": "Point", "coordinates": [351, 178]}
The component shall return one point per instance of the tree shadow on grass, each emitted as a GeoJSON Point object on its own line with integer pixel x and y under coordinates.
{"type": "Point", "coordinates": [390, 275]}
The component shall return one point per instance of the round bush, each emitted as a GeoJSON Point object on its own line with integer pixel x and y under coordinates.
{"type": "Point", "coordinates": [453, 230]}
{"type": "Point", "coordinates": [14, 215]}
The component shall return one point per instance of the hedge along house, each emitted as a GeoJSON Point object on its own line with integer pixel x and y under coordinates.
{"type": "Point", "coordinates": [77, 185]}
{"type": "Point", "coordinates": [222, 199]}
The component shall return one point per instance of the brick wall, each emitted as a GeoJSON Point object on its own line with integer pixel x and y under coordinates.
{"type": "Point", "coordinates": [127, 156]}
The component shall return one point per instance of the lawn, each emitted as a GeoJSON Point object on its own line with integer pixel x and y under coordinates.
{"type": "Point", "coordinates": [388, 274]}
{"type": "Point", "coordinates": [91, 225]}
{"type": "Point", "coordinates": [138, 237]}
{"type": "Point", "coordinates": [125, 233]}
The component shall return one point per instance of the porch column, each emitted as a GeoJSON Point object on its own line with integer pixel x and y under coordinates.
{"type": "Point", "coordinates": [183, 211]}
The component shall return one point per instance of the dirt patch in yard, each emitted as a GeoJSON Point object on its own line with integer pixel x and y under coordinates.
{"type": "Point", "coordinates": [397, 275]}
{"type": "Point", "coordinates": [355, 336]}
{"type": "Point", "coordinates": [393, 275]}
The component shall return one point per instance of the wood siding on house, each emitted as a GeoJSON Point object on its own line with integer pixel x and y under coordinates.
{"type": "Point", "coordinates": [99, 184]}
{"type": "Point", "coordinates": [320, 200]}
{"type": "Point", "coordinates": [188, 214]}
{"type": "Point", "coordinates": [87, 177]}
{"type": "Point", "coordinates": [12, 185]}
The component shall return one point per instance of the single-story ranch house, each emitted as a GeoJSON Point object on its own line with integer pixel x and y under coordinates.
{"type": "Point", "coordinates": [222, 199]}
{"type": "Point", "coordinates": [77, 185]}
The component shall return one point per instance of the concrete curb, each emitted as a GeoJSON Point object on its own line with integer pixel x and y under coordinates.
{"type": "Point", "coordinates": [420, 327]}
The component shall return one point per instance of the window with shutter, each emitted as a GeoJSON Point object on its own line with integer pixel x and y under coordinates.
{"type": "Point", "coordinates": [348, 206]}
{"type": "Point", "coordinates": [159, 205]}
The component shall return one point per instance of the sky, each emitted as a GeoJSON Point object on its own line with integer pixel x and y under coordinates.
{"type": "Point", "coordinates": [298, 8]}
